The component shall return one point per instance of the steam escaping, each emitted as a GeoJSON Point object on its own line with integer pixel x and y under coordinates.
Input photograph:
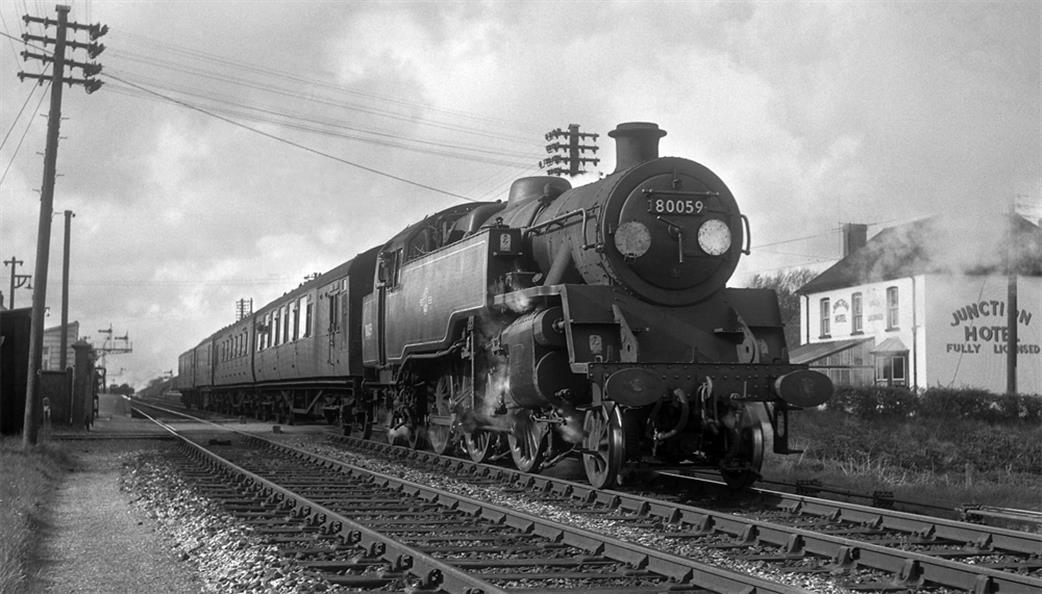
{"type": "Point", "coordinates": [571, 430]}
{"type": "Point", "coordinates": [944, 244]}
{"type": "Point", "coordinates": [517, 302]}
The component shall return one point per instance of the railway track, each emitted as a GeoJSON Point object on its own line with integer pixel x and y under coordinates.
{"type": "Point", "coordinates": [867, 548]}
{"type": "Point", "coordinates": [800, 533]}
{"type": "Point", "coordinates": [364, 529]}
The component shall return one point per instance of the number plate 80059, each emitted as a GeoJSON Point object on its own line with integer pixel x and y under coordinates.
{"type": "Point", "coordinates": [675, 206]}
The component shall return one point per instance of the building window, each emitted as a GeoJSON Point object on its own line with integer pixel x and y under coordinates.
{"type": "Point", "coordinates": [891, 308]}
{"type": "Point", "coordinates": [857, 320]}
{"type": "Point", "coordinates": [826, 312]}
{"type": "Point", "coordinates": [892, 369]}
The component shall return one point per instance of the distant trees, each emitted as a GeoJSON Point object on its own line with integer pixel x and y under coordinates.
{"type": "Point", "coordinates": [785, 284]}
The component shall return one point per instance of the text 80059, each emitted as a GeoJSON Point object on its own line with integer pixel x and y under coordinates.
{"type": "Point", "coordinates": [676, 206]}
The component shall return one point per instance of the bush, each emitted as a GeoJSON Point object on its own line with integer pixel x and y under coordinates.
{"type": "Point", "coordinates": [875, 402]}
{"type": "Point", "coordinates": [980, 405]}
{"type": "Point", "coordinates": [938, 403]}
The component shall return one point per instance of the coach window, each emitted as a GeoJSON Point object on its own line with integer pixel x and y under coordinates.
{"type": "Point", "coordinates": [267, 331]}
{"type": "Point", "coordinates": [857, 319]}
{"type": "Point", "coordinates": [345, 303]}
{"type": "Point", "coordinates": [891, 308]}
{"type": "Point", "coordinates": [334, 308]}
{"type": "Point", "coordinates": [295, 312]}
{"type": "Point", "coordinates": [285, 324]}
{"type": "Point", "coordinates": [277, 340]}
{"type": "Point", "coordinates": [825, 311]}
{"type": "Point", "coordinates": [306, 305]}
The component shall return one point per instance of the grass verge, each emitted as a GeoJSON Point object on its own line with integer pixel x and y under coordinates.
{"type": "Point", "coordinates": [948, 463]}
{"type": "Point", "coordinates": [29, 480]}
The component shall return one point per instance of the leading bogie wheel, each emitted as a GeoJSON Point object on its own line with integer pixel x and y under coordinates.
{"type": "Point", "coordinates": [603, 448]}
{"type": "Point", "coordinates": [744, 458]}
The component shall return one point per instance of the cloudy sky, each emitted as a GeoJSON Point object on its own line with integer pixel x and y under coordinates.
{"type": "Point", "coordinates": [237, 147]}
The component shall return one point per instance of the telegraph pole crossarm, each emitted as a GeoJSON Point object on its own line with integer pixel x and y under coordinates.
{"type": "Point", "coordinates": [17, 280]}
{"type": "Point", "coordinates": [572, 147]}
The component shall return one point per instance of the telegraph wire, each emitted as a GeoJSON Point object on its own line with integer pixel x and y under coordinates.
{"type": "Point", "coordinates": [18, 116]}
{"type": "Point", "coordinates": [314, 99]}
{"type": "Point", "coordinates": [320, 100]}
{"type": "Point", "coordinates": [327, 101]}
{"type": "Point", "coordinates": [290, 142]}
{"type": "Point", "coordinates": [10, 40]}
{"type": "Point", "coordinates": [331, 129]}
{"type": "Point", "coordinates": [24, 133]}
{"type": "Point", "coordinates": [203, 56]}
{"type": "Point", "coordinates": [288, 119]}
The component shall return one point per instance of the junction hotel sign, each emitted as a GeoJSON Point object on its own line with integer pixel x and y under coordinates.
{"type": "Point", "coordinates": [984, 325]}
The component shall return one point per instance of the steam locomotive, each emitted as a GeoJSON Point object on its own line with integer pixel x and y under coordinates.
{"type": "Point", "coordinates": [588, 322]}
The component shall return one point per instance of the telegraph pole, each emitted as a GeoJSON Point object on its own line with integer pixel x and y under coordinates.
{"type": "Point", "coordinates": [243, 308]}
{"type": "Point", "coordinates": [1012, 307]}
{"type": "Point", "coordinates": [572, 147]}
{"type": "Point", "coordinates": [63, 361]}
{"type": "Point", "coordinates": [43, 237]}
{"type": "Point", "coordinates": [17, 280]}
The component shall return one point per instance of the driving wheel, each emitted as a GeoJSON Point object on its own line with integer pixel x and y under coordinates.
{"type": "Point", "coordinates": [527, 442]}
{"type": "Point", "coordinates": [441, 421]}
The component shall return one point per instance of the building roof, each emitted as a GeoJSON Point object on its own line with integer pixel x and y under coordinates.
{"type": "Point", "coordinates": [809, 353]}
{"type": "Point", "coordinates": [891, 345]}
{"type": "Point", "coordinates": [943, 244]}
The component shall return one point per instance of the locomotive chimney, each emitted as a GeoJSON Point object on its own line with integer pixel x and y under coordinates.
{"type": "Point", "coordinates": [635, 142]}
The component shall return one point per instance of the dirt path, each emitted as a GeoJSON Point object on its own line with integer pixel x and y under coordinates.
{"type": "Point", "coordinates": [96, 540]}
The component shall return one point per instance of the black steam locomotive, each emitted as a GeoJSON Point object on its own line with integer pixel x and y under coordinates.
{"type": "Point", "coordinates": [590, 321]}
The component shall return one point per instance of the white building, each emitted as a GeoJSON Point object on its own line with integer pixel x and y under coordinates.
{"type": "Point", "coordinates": [52, 346]}
{"type": "Point", "coordinates": [926, 304]}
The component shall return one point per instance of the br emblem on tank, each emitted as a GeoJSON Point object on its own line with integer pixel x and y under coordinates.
{"type": "Point", "coordinates": [426, 300]}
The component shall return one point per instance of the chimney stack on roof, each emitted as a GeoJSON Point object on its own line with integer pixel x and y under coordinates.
{"type": "Point", "coordinates": [855, 236]}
